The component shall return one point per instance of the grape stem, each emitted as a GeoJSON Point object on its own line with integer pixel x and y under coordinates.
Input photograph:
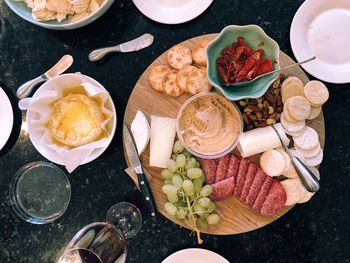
{"type": "Point", "coordinates": [194, 226]}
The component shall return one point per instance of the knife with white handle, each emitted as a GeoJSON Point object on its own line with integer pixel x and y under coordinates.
{"type": "Point", "coordinates": [130, 46]}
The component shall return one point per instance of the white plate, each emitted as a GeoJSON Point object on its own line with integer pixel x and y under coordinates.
{"type": "Point", "coordinates": [321, 28]}
{"type": "Point", "coordinates": [6, 118]}
{"type": "Point", "coordinates": [195, 255]}
{"type": "Point", "coordinates": [172, 11]}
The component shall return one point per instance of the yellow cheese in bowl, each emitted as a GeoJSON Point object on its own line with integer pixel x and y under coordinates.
{"type": "Point", "coordinates": [76, 120]}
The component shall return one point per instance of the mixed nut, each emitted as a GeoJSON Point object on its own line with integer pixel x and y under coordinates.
{"type": "Point", "coordinates": [265, 110]}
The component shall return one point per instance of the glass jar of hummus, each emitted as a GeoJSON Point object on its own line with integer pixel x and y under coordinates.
{"type": "Point", "coordinates": [209, 125]}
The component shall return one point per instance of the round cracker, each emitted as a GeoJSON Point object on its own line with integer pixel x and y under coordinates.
{"type": "Point", "coordinates": [316, 92]}
{"type": "Point", "coordinates": [299, 108]}
{"type": "Point", "coordinates": [179, 56]}
{"type": "Point", "coordinates": [305, 195]}
{"type": "Point", "coordinates": [287, 162]}
{"type": "Point", "coordinates": [182, 74]}
{"type": "Point", "coordinates": [156, 77]}
{"type": "Point", "coordinates": [291, 79]}
{"type": "Point", "coordinates": [287, 115]}
{"type": "Point", "coordinates": [315, 111]}
{"type": "Point", "coordinates": [291, 90]}
{"type": "Point", "coordinates": [314, 161]}
{"type": "Point", "coordinates": [308, 153]}
{"type": "Point", "coordinates": [169, 84]}
{"type": "Point", "coordinates": [291, 173]}
{"type": "Point", "coordinates": [292, 126]}
{"type": "Point", "coordinates": [198, 53]}
{"type": "Point", "coordinates": [272, 163]}
{"type": "Point", "coordinates": [292, 190]}
{"type": "Point", "coordinates": [197, 82]}
{"type": "Point", "coordinates": [307, 140]}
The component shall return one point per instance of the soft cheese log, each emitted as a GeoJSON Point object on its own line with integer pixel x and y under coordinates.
{"type": "Point", "coordinates": [261, 140]}
{"type": "Point", "coordinates": [162, 140]}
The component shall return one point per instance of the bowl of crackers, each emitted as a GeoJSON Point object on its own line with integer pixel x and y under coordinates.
{"type": "Point", "coordinates": [237, 58]}
{"type": "Point", "coordinates": [183, 70]}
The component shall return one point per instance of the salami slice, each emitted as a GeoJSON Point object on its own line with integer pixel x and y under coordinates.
{"type": "Point", "coordinates": [263, 193]}
{"type": "Point", "coordinates": [248, 180]}
{"type": "Point", "coordinates": [232, 166]}
{"type": "Point", "coordinates": [209, 168]}
{"type": "Point", "coordinates": [255, 187]}
{"type": "Point", "coordinates": [221, 169]}
{"type": "Point", "coordinates": [242, 170]}
{"type": "Point", "coordinates": [275, 199]}
{"type": "Point", "coordinates": [222, 190]}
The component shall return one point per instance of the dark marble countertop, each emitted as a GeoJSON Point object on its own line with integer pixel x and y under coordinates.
{"type": "Point", "coordinates": [318, 231]}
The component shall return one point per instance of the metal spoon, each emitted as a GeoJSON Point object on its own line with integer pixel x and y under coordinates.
{"type": "Point", "coordinates": [61, 66]}
{"type": "Point", "coordinates": [133, 45]}
{"type": "Point", "coordinates": [307, 177]}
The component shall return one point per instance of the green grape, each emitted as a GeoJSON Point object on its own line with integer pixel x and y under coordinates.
{"type": "Point", "coordinates": [204, 202]}
{"type": "Point", "coordinates": [197, 184]}
{"type": "Point", "coordinates": [177, 181]}
{"type": "Point", "coordinates": [213, 219]}
{"type": "Point", "coordinates": [178, 147]}
{"type": "Point", "coordinates": [211, 207]}
{"type": "Point", "coordinates": [201, 223]}
{"type": "Point", "coordinates": [198, 209]}
{"type": "Point", "coordinates": [168, 181]}
{"type": "Point", "coordinates": [166, 174]}
{"type": "Point", "coordinates": [194, 173]}
{"type": "Point", "coordinates": [181, 213]}
{"type": "Point", "coordinates": [191, 163]}
{"type": "Point", "coordinates": [170, 208]}
{"type": "Point", "coordinates": [169, 189]}
{"type": "Point", "coordinates": [202, 178]}
{"type": "Point", "coordinates": [204, 215]}
{"type": "Point", "coordinates": [173, 198]}
{"type": "Point", "coordinates": [186, 153]}
{"type": "Point", "coordinates": [181, 203]}
{"type": "Point", "coordinates": [188, 187]}
{"type": "Point", "coordinates": [171, 165]}
{"type": "Point", "coordinates": [173, 157]}
{"type": "Point", "coordinates": [206, 190]}
{"type": "Point", "coordinates": [181, 160]}
{"type": "Point", "coordinates": [197, 165]}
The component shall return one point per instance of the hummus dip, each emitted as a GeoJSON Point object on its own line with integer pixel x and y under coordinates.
{"type": "Point", "coordinates": [209, 124]}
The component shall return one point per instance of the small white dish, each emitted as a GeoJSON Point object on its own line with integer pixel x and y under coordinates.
{"type": "Point", "coordinates": [321, 28]}
{"type": "Point", "coordinates": [172, 11]}
{"type": "Point", "coordinates": [6, 118]}
{"type": "Point", "coordinates": [195, 255]}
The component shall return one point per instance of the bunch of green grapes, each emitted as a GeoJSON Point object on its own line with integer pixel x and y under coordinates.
{"type": "Point", "coordinates": [188, 199]}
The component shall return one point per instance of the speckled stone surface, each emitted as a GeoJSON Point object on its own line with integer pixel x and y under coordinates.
{"type": "Point", "coordinates": [318, 231]}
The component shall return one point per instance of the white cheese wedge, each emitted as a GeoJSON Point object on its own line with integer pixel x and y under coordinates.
{"type": "Point", "coordinates": [140, 130]}
{"type": "Point", "coordinates": [162, 140]}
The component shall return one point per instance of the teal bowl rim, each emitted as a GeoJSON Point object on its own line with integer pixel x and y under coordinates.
{"type": "Point", "coordinates": [257, 93]}
{"type": "Point", "coordinates": [64, 25]}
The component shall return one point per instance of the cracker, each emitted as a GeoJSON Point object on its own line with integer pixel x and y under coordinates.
{"type": "Point", "coordinates": [198, 53]}
{"type": "Point", "coordinates": [293, 192]}
{"type": "Point", "coordinates": [292, 127]}
{"type": "Point", "coordinates": [316, 92]}
{"type": "Point", "coordinates": [169, 84]}
{"type": "Point", "coordinates": [291, 90]}
{"type": "Point", "coordinates": [197, 82]}
{"type": "Point", "coordinates": [299, 108]}
{"type": "Point", "coordinates": [287, 162]}
{"type": "Point", "coordinates": [314, 161]}
{"type": "Point", "coordinates": [287, 115]}
{"type": "Point", "coordinates": [307, 140]}
{"type": "Point", "coordinates": [181, 77]}
{"type": "Point", "coordinates": [305, 195]}
{"type": "Point", "coordinates": [179, 56]}
{"type": "Point", "coordinates": [291, 173]}
{"type": "Point", "coordinates": [291, 79]}
{"type": "Point", "coordinates": [309, 153]}
{"type": "Point", "coordinates": [315, 111]}
{"type": "Point", "coordinates": [272, 163]}
{"type": "Point", "coordinates": [156, 77]}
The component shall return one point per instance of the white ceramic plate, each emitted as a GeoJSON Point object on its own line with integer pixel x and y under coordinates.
{"type": "Point", "coordinates": [321, 28]}
{"type": "Point", "coordinates": [6, 118]}
{"type": "Point", "coordinates": [195, 255]}
{"type": "Point", "coordinates": [172, 11]}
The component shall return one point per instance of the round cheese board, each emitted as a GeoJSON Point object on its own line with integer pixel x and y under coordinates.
{"type": "Point", "coordinates": [235, 216]}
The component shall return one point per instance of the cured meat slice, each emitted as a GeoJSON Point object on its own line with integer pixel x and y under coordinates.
{"type": "Point", "coordinates": [222, 190]}
{"type": "Point", "coordinates": [248, 180]}
{"type": "Point", "coordinates": [242, 170]}
{"type": "Point", "coordinates": [233, 165]}
{"type": "Point", "coordinates": [255, 187]}
{"type": "Point", "coordinates": [275, 199]}
{"type": "Point", "coordinates": [263, 193]}
{"type": "Point", "coordinates": [209, 168]}
{"type": "Point", "coordinates": [221, 169]}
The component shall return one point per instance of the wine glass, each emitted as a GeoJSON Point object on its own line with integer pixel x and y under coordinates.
{"type": "Point", "coordinates": [105, 242]}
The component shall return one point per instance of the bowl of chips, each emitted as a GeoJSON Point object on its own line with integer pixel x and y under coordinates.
{"type": "Point", "coordinates": [60, 14]}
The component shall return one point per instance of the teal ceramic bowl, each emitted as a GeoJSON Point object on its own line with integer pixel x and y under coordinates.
{"type": "Point", "coordinates": [21, 9]}
{"type": "Point", "coordinates": [254, 36]}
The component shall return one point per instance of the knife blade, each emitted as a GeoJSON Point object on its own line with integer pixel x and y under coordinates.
{"type": "Point", "coordinates": [133, 157]}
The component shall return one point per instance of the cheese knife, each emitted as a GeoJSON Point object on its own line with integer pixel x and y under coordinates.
{"type": "Point", "coordinates": [131, 152]}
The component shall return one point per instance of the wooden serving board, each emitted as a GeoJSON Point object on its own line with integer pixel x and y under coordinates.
{"type": "Point", "coordinates": [236, 217]}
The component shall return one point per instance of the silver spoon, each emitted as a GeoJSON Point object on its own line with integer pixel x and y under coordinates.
{"type": "Point", "coordinates": [61, 66]}
{"type": "Point", "coordinates": [134, 45]}
{"type": "Point", "coordinates": [307, 177]}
